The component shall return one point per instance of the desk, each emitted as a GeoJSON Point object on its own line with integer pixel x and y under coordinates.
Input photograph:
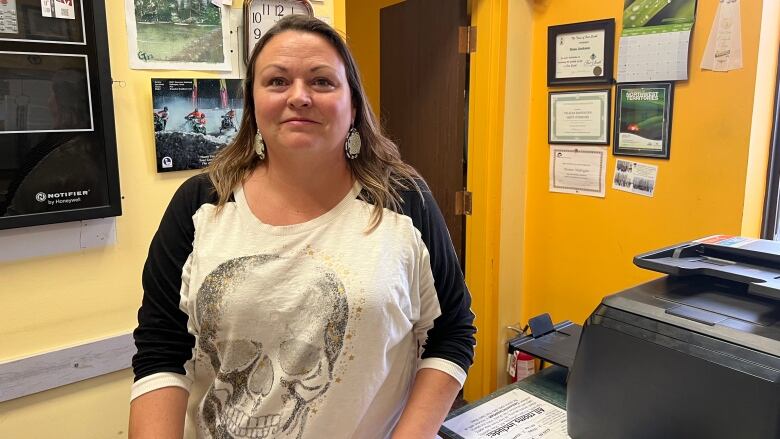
{"type": "Point", "coordinates": [548, 384]}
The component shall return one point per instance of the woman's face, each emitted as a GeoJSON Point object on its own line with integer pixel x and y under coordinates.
{"type": "Point", "coordinates": [302, 99]}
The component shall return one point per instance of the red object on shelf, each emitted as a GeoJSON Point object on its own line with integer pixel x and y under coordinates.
{"type": "Point", "coordinates": [524, 365]}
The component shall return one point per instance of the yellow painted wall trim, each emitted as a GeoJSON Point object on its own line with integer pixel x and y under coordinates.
{"type": "Point", "coordinates": [517, 129]}
{"type": "Point", "coordinates": [485, 152]}
{"type": "Point", "coordinates": [340, 15]}
{"type": "Point", "coordinates": [761, 125]}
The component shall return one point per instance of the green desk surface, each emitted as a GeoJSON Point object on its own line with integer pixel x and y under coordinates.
{"type": "Point", "coordinates": [548, 384]}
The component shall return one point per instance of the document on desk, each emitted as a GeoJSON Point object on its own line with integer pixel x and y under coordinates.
{"type": "Point", "coordinates": [513, 415]}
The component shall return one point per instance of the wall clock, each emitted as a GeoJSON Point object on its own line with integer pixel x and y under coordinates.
{"type": "Point", "coordinates": [261, 15]}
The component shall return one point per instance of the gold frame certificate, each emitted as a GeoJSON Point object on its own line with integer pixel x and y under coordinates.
{"type": "Point", "coordinates": [578, 117]}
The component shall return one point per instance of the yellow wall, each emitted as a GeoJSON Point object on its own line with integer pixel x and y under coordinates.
{"type": "Point", "coordinates": [519, 47]}
{"type": "Point", "coordinates": [487, 78]}
{"type": "Point", "coordinates": [578, 249]}
{"type": "Point", "coordinates": [70, 299]}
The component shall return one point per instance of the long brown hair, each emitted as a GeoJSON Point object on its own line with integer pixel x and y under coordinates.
{"type": "Point", "coordinates": [378, 168]}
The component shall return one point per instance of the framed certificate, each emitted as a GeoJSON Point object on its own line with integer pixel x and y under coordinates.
{"type": "Point", "coordinates": [581, 53]}
{"type": "Point", "coordinates": [580, 171]}
{"type": "Point", "coordinates": [580, 117]}
{"type": "Point", "coordinates": [643, 119]}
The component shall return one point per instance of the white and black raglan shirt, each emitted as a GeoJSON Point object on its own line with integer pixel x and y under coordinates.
{"type": "Point", "coordinates": [313, 330]}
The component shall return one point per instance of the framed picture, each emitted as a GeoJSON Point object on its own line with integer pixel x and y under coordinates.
{"type": "Point", "coordinates": [58, 158]}
{"type": "Point", "coordinates": [580, 117]}
{"type": "Point", "coordinates": [643, 119]}
{"type": "Point", "coordinates": [581, 53]}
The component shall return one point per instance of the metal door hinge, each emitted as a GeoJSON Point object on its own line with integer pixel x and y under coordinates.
{"type": "Point", "coordinates": [467, 39]}
{"type": "Point", "coordinates": [463, 203]}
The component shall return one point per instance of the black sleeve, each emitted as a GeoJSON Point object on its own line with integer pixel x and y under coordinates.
{"type": "Point", "coordinates": [162, 341]}
{"type": "Point", "coordinates": [452, 334]}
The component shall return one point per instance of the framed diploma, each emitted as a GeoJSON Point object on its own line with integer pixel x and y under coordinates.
{"type": "Point", "coordinates": [581, 53]}
{"type": "Point", "coordinates": [643, 119]}
{"type": "Point", "coordinates": [580, 117]}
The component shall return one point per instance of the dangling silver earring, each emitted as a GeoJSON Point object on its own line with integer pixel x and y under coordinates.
{"type": "Point", "coordinates": [352, 144]}
{"type": "Point", "coordinates": [259, 145]}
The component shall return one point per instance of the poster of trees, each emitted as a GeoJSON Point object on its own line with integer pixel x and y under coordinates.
{"type": "Point", "coordinates": [177, 11]}
{"type": "Point", "coordinates": [177, 34]}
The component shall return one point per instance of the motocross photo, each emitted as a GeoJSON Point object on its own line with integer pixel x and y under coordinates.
{"type": "Point", "coordinates": [193, 119]}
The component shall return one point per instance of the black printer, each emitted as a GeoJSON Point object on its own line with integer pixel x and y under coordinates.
{"type": "Point", "coordinates": [694, 354]}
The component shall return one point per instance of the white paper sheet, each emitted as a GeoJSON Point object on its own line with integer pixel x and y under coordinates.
{"type": "Point", "coordinates": [513, 415]}
{"type": "Point", "coordinates": [64, 9]}
{"type": "Point", "coordinates": [8, 19]}
{"type": "Point", "coordinates": [578, 170]}
{"type": "Point", "coordinates": [724, 46]}
{"type": "Point", "coordinates": [579, 54]}
{"type": "Point", "coordinates": [634, 177]}
{"type": "Point", "coordinates": [46, 9]}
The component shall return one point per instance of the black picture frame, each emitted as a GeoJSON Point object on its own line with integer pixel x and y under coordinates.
{"type": "Point", "coordinates": [603, 95]}
{"type": "Point", "coordinates": [643, 129]}
{"type": "Point", "coordinates": [69, 172]}
{"type": "Point", "coordinates": [580, 69]}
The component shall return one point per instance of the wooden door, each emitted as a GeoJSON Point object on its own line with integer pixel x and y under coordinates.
{"type": "Point", "coordinates": [423, 97]}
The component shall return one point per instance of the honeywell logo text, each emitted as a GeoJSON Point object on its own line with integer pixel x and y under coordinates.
{"type": "Point", "coordinates": [61, 197]}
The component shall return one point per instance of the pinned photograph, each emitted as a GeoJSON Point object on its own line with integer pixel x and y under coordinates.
{"type": "Point", "coordinates": [193, 119]}
{"type": "Point", "coordinates": [177, 35]}
{"type": "Point", "coordinates": [636, 178]}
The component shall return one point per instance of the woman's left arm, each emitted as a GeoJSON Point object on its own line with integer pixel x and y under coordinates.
{"type": "Point", "coordinates": [445, 328]}
{"type": "Point", "coordinates": [432, 395]}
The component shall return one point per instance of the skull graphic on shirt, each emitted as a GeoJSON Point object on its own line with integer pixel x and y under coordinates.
{"type": "Point", "coordinates": [272, 341]}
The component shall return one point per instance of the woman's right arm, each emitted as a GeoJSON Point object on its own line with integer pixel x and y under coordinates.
{"type": "Point", "coordinates": [163, 340]}
{"type": "Point", "coordinates": [158, 414]}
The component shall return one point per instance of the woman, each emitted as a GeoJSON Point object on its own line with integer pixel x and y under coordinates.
{"type": "Point", "coordinates": [307, 286]}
